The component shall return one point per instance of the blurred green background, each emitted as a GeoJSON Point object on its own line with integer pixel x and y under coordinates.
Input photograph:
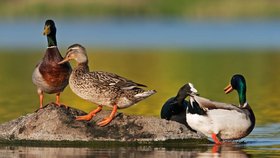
{"type": "Point", "coordinates": [197, 9]}
{"type": "Point", "coordinates": [160, 43]}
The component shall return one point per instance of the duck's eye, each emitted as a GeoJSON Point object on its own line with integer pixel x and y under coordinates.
{"type": "Point", "coordinates": [68, 51]}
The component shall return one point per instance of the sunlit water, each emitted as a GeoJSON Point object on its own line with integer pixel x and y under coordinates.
{"type": "Point", "coordinates": [263, 142]}
{"type": "Point", "coordinates": [166, 71]}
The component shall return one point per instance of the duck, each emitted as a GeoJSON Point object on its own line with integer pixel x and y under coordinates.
{"type": "Point", "coordinates": [175, 107]}
{"type": "Point", "coordinates": [222, 121]}
{"type": "Point", "coordinates": [48, 76]}
{"type": "Point", "coordinates": [100, 87]}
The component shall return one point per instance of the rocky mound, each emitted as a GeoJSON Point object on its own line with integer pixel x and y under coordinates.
{"type": "Point", "coordinates": [53, 123]}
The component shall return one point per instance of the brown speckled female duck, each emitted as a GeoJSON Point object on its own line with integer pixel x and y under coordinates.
{"type": "Point", "coordinates": [101, 88]}
{"type": "Point", "coordinates": [48, 76]}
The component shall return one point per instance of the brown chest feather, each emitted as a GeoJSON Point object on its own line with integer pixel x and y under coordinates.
{"type": "Point", "coordinates": [53, 73]}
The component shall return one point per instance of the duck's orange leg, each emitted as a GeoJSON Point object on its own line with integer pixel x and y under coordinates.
{"type": "Point", "coordinates": [216, 139]}
{"type": "Point", "coordinates": [89, 115]}
{"type": "Point", "coordinates": [107, 120]}
{"type": "Point", "coordinates": [57, 96]}
{"type": "Point", "coordinates": [41, 98]}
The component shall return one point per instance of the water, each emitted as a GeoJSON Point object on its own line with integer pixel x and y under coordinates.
{"type": "Point", "coordinates": [253, 146]}
{"type": "Point", "coordinates": [148, 152]}
{"type": "Point", "coordinates": [151, 33]}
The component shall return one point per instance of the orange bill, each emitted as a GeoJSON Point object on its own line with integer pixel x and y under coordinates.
{"type": "Point", "coordinates": [228, 89]}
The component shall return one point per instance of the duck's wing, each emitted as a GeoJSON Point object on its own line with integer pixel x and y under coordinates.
{"type": "Point", "coordinates": [207, 104]}
{"type": "Point", "coordinates": [111, 79]}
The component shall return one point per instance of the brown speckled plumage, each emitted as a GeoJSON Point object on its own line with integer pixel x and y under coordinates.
{"type": "Point", "coordinates": [102, 88]}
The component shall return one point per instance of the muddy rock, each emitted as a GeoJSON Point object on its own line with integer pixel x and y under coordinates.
{"type": "Point", "coordinates": [53, 123]}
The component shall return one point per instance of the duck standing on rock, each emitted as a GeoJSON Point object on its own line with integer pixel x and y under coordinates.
{"type": "Point", "coordinates": [222, 121]}
{"type": "Point", "coordinates": [175, 107]}
{"type": "Point", "coordinates": [49, 76]}
{"type": "Point", "coordinates": [101, 88]}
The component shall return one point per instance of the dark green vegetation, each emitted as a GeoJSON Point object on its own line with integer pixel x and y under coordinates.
{"type": "Point", "coordinates": [165, 71]}
{"type": "Point", "coordinates": [199, 9]}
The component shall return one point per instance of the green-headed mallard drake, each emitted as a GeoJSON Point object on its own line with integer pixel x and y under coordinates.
{"type": "Point", "coordinates": [101, 88]}
{"type": "Point", "coordinates": [175, 107]}
{"type": "Point", "coordinates": [48, 76]}
{"type": "Point", "coordinates": [222, 121]}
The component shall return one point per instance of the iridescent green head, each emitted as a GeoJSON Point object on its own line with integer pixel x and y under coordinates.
{"type": "Point", "coordinates": [239, 84]}
{"type": "Point", "coordinates": [50, 32]}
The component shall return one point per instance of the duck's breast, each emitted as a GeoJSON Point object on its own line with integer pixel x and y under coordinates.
{"type": "Point", "coordinates": [43, 85]}
{"type": "Point", "coordinates": [230, 124]}
{"type": "Point", "coordinates": [201, 123]}
{"type": "Point", "coordinates": [54, 74]}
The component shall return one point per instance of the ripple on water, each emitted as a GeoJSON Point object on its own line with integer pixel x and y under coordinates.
{"type": "Point", "coordinates": [268, 135]}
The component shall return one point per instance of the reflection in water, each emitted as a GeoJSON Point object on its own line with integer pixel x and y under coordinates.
{"type": "Point", "coordinates": [131, 152]}
{"type": "Point", "coordinates": [224, 151]}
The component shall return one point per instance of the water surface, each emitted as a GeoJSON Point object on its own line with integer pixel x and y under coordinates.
{"type": "Point", "coordinates": [148, 33]}
{"type": "Point", "coordinates": [253, 146]}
